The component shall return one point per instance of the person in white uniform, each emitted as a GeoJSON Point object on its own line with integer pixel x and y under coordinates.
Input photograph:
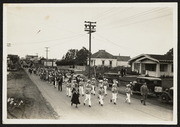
{"type": "Point", "coordinates": [101, 93]}
{"type": "Point", "coordinates": [128, 93]}
{"type": "Point", "coordinates": [105, 84]}
{"type": "Point", "coordinates": [88, 90]}
{"type": "Point", "coordinates": [93, 83]}
{"type": "Point", "coordinates": [114, 92]}
{"type": "Point", "coordinates": [81, 86]}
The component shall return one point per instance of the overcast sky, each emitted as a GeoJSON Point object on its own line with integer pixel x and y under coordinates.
{"type": "Point", "coordinates": [125, 29]}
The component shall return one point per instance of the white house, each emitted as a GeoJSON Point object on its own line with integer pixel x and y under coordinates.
{"type": "Point", "coordinates": [50, 63]}
{"type": "Point", "coordinates": [153, 65]}
{"type": "Point", "coordinates": [103, 58]}
{"type": "Point", "coordinates": [123, 61]}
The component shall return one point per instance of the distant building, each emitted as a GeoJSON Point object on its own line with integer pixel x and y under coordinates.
{"type": "Point", "coordinates": [103, 58]}
{"type": "Point", "coordinates": [152, 65]}
{"type": "Point", "coordinates": [123, 61]}
{"type": "Point", "coordinates": [50, 63]}
{"type": "Point", "coordinates": [31, 57]}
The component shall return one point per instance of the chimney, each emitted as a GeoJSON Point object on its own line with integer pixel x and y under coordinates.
{"type": "Point", "coordinates": [119, 54]}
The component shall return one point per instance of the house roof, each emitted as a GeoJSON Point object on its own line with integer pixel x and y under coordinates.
{"type": "Point", "coordinates": [103, 54]}
{"type": "Point", "coordinates": [161, 57]}
{"type": "Point", "coordinates": [154, 57]}
{"type": "Point", "coordinates": [31, 55]}
{"type": "Point", "coordinates": [123, 58]}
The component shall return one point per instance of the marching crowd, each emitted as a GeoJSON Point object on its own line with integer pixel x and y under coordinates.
{"type": "Point", "coordinates": [77, 85]}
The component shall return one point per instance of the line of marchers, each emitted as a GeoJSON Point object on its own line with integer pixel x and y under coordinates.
{"type": "Point", "coordinates": [104, 64]}
{"type": "Point", "coordinates": [154, 65]}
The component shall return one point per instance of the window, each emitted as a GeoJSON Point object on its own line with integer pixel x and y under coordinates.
{"type": "Point", "coordinates": [163, 67]}
{"type": "Point", "coordinates": [91, 62]}
{"type": "Point", "coordinates": [136, 66]}
{"type": "Point", "coordinates": [150, 67]}
{"type": "Point", "coordinates": [103, 62]}
{"type": "Point", "coordinates": [110, 63]}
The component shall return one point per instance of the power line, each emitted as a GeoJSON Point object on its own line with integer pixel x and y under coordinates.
{"type": "Point", "coordinates": [146, 20]}
{"type": "Point", "coordinates": [107, 40]}
{"type": "Point", "coordinates": [52, 25]}
{"type": "Point", "coordinates": [126, 9]}
{"type": "Point", "coordinates": [68, 40]}
{"type": "Point", "coordinates": [104, 13]}
{"type": "Point", "coordinates": [134, 17]}
{"type": "Point", "coordinates": [38, 42]}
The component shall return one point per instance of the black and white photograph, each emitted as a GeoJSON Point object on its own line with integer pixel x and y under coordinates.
{"type": "Point", "coordinates": [90, 63]}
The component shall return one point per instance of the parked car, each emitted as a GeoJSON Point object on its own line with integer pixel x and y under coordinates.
{"type": "Point", "coordinates": [154, 85]}
{"type": "Point", "coordinates": [167, 96]}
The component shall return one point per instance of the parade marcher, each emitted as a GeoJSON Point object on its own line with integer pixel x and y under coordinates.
{"type": "Point", "coordinates": [81, 86]}
{"type": "Point", "coordinates": [105, 84]}
{"type": "Point", "coordinates": [114, 92]}
{"type": "Point", "coordinates": [128, 93]}
{"type": "Point", "coordinates": [54, 80]}
{"type": "Point", "coordinates": [68, 87]}
{"type": "Point", "coordinates": [88, 93]}
{"type": "Point", "coordinates": [75, 95]}
{"type": "Point", "coordinates": [60, 81]}
{"type": "Point", "coordinates": [101, 93]}
{"type": "Point", "coordinates": [93, 83]}
{"type": "Point", "coordinates": [100, 85]}
{"type": "Point", "coordinates": [30, 71]}
{"type": "Point", "coordinates": [144, 92]}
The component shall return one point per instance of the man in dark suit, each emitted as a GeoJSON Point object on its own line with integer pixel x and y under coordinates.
{"type": "Point", "coordinates": [60, 81]}
{"type": "Point", "coordinates": [144, 92]}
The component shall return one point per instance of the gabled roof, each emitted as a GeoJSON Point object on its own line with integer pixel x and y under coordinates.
{"type": "Point", "coordinates": [161, 57]}
{"type": "Point", "coordinates": [103, 54]}
{"type": "Point", "coordinates": [123, 58]}
{"type": "Point", "coordinates": [154, 57]}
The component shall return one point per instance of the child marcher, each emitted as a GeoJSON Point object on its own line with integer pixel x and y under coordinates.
{"type": "Point", "coordinates": [88, 90]}
{"type": "Point", "coordinates": [101, 93]}
{"type": "Point", "coordinates": [93, 83]}
{"type": "Point", "coordinates": [81, 86]}
{"type": "Point", "coordinates": [75, 95]}
{"type": "Point", "coordinates": [114, 92]}
{"type": "Point", "coordinates": [105, 84]}
{"type": "Point", "coordinates": [128, 93]}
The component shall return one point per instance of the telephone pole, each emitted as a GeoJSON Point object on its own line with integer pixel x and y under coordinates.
{"type": "Point", "coordinates": [90, 28]}
{"type": "Point", "coordinates": [47, 54]}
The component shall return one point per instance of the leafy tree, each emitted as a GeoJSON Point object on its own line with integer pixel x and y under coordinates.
{"type": "Point", "coordinates": [74, 57]}
{"type": "Point", "coordinates": [82, 56]}
{"type": "Point", "coordinates": [170, 52]}
{"type": "Point", "coordinates": [71, 54]}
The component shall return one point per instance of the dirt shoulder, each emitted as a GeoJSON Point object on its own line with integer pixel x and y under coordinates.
{"type": "Point", "coordinates": [28, 102]}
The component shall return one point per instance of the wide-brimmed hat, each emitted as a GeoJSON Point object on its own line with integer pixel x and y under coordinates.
{"type": "Point", "coordinates": [100, 81]}
{"type": "Point", "coordinates": [128, 85]}
{"type": "Point", "coordinates": [114, 85]}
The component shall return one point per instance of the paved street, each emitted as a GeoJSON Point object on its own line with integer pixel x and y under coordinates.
{"type": "Point", "coordinates": [117, 113]}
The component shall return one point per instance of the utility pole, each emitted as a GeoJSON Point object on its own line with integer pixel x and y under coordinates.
{"type": "Point", "coordinates": [90, 28]}
{"type": "Point", "coordinates": [46, 54]}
